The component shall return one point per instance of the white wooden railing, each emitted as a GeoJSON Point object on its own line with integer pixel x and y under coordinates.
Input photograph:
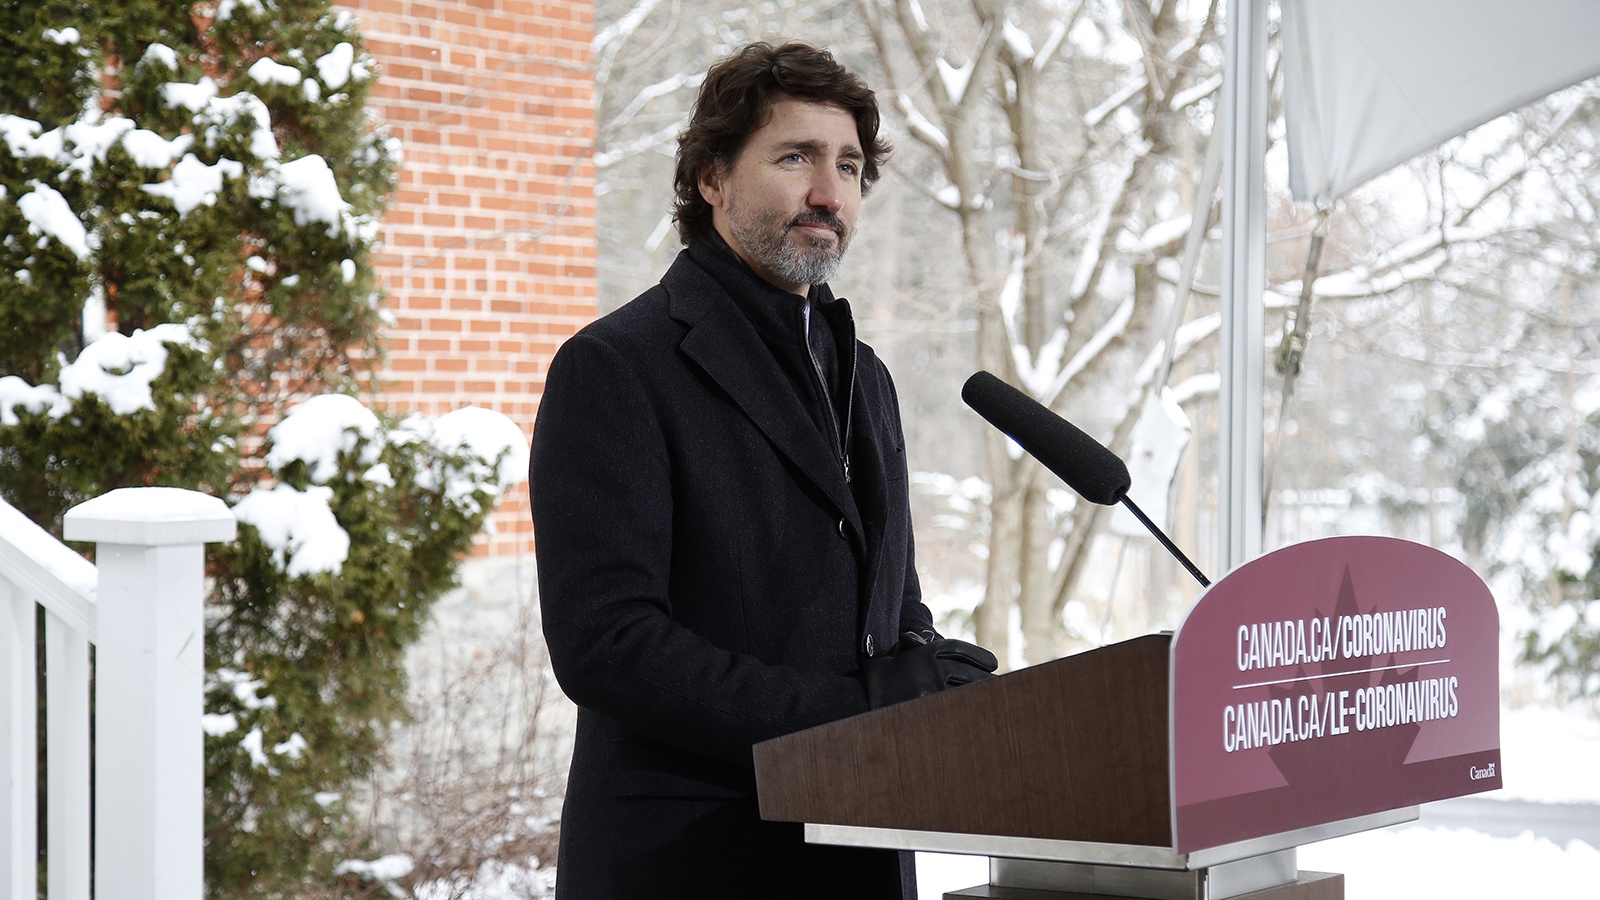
{"type": "Point", "coordinates": [141, 607]}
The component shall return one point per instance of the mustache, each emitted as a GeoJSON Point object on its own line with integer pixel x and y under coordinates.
{"type": "Point", "coordinates": [826, 219]}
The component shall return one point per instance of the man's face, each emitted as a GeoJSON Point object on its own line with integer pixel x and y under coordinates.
{"type": "Point", "coordinates": [788, 204]}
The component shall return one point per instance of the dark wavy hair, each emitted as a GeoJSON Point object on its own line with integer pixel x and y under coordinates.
{"type": "Point", "coordinates": [735, 102]}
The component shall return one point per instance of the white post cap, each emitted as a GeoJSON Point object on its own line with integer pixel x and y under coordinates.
{"type": "Point", "coordinates": [151, 516]}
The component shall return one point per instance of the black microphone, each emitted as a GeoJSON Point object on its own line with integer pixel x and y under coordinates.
{"type": "Point", "coordinates": [1097, 474]}
{"type": "Point", "coordinates": [1078, 459]}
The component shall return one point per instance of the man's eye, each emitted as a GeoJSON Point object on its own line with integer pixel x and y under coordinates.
{"type": "Point", "coordinates": [849, 169]}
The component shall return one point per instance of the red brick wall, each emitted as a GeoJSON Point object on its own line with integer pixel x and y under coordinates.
{"type": "Point", "coordinates": [490, 246]}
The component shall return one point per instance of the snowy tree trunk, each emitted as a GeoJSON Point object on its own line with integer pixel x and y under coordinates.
{"type": "Point", "coordinates": [992, 618]}
{"type": "Point", "coordinates": [1040, 626]}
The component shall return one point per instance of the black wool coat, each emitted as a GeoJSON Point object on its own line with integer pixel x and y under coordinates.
{"type": "Point", "coordinates": [708, 580]}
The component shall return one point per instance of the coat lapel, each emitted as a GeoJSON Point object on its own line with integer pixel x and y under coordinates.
{"type": "Point", "coordinates": [868, 463]}
{"type": "Point", "coordinates": [727, 348]}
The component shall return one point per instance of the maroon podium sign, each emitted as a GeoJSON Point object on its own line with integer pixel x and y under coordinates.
{"type": "Point", "coordinates": [1330, 680]}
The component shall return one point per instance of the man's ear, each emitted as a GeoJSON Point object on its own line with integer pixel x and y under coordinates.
{"type": "Point", "coordinates": [710, 183]}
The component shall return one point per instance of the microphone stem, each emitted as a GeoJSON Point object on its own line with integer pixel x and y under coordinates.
{"type": "Point", "coordinates": [1165, 541]}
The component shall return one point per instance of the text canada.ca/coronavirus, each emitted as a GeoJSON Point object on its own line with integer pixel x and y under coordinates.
{"type": "Point", "coordinates": [1268, 645]}
{"type": "Point", "coordinates": [1280, 720]}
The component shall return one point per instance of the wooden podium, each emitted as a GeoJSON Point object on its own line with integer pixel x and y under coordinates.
{"type": "Point", "coordinates": [1063, 774]}
{"type": "Point", "coordinates": [1058, 773]}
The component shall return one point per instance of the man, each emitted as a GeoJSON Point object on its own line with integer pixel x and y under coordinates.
{"type": "Point", "coordinates": [721, 512]}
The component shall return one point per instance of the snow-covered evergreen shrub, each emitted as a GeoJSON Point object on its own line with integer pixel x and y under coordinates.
{"type": "Point", "coordinates": [345, 551]}
{"type": "Point", "coordinates": [189, 196]}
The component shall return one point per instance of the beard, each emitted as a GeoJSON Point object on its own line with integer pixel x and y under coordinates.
{"type": "Point", "coordinates": [799, 259]}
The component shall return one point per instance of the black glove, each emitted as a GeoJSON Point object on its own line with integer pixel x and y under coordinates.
{"type": "Point", "coordinates": [924, 663]}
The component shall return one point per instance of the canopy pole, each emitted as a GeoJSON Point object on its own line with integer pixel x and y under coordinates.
{"type": "Point", "coordinates": [1243, 279]}
{"type": "Point", "coordinates": [1292, 349]}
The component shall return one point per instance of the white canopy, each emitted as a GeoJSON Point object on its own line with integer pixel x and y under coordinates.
{"type": "Point", "coordinates": [1369, 84]}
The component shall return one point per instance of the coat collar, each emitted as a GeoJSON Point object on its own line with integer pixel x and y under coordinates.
{"type": "Point", "coordinates": [722, 341]}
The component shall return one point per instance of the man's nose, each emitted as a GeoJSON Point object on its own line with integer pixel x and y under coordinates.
{"type": "Point", "coordinates": [827, 190]}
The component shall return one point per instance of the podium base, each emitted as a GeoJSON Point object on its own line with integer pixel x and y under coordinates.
{"type": "Point", "coordinates": [1308, 886]}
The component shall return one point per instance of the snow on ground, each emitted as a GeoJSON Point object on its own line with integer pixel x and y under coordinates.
{"type": "Point", "coordinates": [1410, 862]}
{"type": "Point", "coordinates": [1551, 756]}
{"type": "Point", "coordinates": [1401, 863]}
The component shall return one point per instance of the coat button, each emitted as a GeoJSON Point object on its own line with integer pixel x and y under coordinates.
{"type": "Point", "coordinates": [844, 529]}
{"type": "Point", "coordinates": [869, 645]}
